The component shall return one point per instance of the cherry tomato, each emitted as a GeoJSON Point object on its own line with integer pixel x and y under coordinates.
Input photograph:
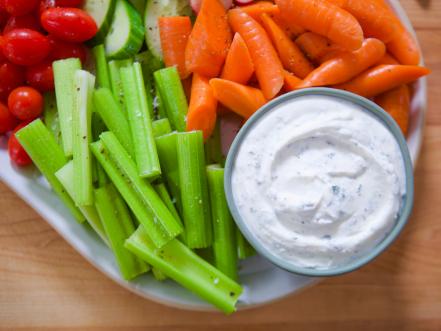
{"type": "Point", "coordinates": [3, 16]}
{"type": "Point", "coordinates": [11, 76]}
{"type": "Point", "coordinates": [45, 4]}
{"type": "Point", "coordinates": [69, 3]}
{"type": "Point", "coordinates": [7, 120]}
{"type": "Point", "coordinates": [19, 7]}
{"type": "Point", "coordinates": [22, 22]}
{"type": "Point", "coordinates": [64, 50]}
{"type": "Point", "coordinates": [2, 43]}
{"type": "Point", "coordinates": [25, 103]}
{"type": "Point", "coordinates": [25, 47]}
{"type": "Point", "coordinates": [16, 152]}
{"type": "Point", "coordinates": [69, 24]}
{"type": "Point", "coordinates": [41, 76]}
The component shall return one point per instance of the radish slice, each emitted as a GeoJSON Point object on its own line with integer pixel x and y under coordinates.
{"type": "Point", "coordinates": [196, 4]}
{"type": "Point", "coordinates": [243, 2]}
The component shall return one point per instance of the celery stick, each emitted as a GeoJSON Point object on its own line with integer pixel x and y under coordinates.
{"type": "Point", "coordinates": [181, 264]}
{"type": "Point", "coordinates": [50, 116]}
{"type": "Point", "coordinates": [113, 116]}
{"type": "Point", "coordinates": [82, 137]}
{"type": "Point", "coordinates": [159, 105]}
{"type": "Point", "coordinates": [172, 94]}
{"type": "Point", "coordinates": [64, 71]}
{"type": "Point", "coordinates": [66, 177]}
{"type": "Point", "coordinates": [158, 274]}
{"type": "Point", "coordinates": [138, 193]}
{"type": "Point", "coordinates": [144, 89]}
{"type": "Point", "coordinates": [161, 127]}
{"type": "Point", "coordinates": [224, 241]}
{"type": "Point", "coordinates": [115, 78]}
{"type": "Point", "coordinates": [118, 226]}
{"type": "Point", "coordinates": [163, 193]}
{"type": "Point", "coordinates": [244, 249]}
{"type": "Point", "coordinates": [194, 192]}
{"type": "Point", "coordinates": [98, 127]}
{"type": "Point", "coordinates": [140, 122]}
{"type": "Point", "coordinates": [149, 64]}
{"type": "Point", "coordinates": [213, 147]}
{"type": "Point", "coordinates": [102, 68]}
{"type": "Point", "coordinates": [168, 158]}
{"type": "Point", "coordinates": [48, 157]}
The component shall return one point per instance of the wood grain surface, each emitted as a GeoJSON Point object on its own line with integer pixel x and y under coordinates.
{"type": "Point", "coordinates": [46, 285]}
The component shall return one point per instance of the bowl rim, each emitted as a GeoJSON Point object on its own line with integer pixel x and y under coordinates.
{"type": "Point", "coordinates": [367, 106]}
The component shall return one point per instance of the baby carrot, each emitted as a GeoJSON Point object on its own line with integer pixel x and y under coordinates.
{"type": "Point", "coordinates": [388, 59]}
{"type": "Point", "coordinates": [324, 18]}
{"type": "Point", "coordinates": [238, 65]}
{"type": "Point", "coordinates": [256, 9]}
{"type": "Point", "coordinates": [241, 99]}
{"type": "Point", "coordinates": [291, 56]}
{"type": "Point", "coordinates": [346, 65]}
{"type": "Point", "coordinates": [292, 29]}
{"type": "Point", "coordinates": [209, 40]}
{"type": "Point", "coordinates": [316, 47]}
{"type": "Point", "coordinates": [291, 81]}
{"type": "Point", "coordinates": [383, 78]}
{"type": "Point", "coordinates": [269, 69]}
{"type": "Point", "coordinates": [375, 20]}
{"type": "Point", "coordinates": [202, 109]}
{"type": "Point", "coordinates": [174, 32]}
{"type": "Point", "coordinates": [397, 103]}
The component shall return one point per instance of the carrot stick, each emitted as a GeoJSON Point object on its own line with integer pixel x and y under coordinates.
{"type": "Point", "coordinates": [291, 56]}
{"type": "Point", "coordinates": [388, 59]}
{"type": "Point", "coordinates": [383, 78]}
{"type": "Point", "coordinates": [238, 66]}
{"type": "Point", "coordinates": [174, 32]}
{"type": "Point", "coordinates": [316, 47]}
{"type": "Point", "coordinates": [397, 103]}
{"type": "Point", "coordinates": [403, 46]}
{"type": "Point", "coordinates": [269, 69]}
{"type": "Point", "coordinates": [202, 109]}
{"type": "Point", "coordinates": [292, 29]}
{"type": "Point", "coordinates": [241, 99]}
{"type": "Point", "coordinates": [324, 18]}
{"type": "Point", "coordinates": [346, 65]}
{"type": "Point", "coordinates": [374, 19]}
{"type": "Point", "coordinates": [209, 40]}
{"type": "Point", "coordinates": [256, 9]}
{"type": "Point", "coordinates": [291, 81]}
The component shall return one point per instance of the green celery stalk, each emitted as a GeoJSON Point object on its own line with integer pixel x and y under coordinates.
{"type": "Point", "coordinates": [161, 127]}
{"type": "Point", "coordinates": [118, 226]}
{"type": "Point", "coordinates": [48, 157]}
{"type": "Point", "coordinates": [244, 249]}
{"type": "Point", "coordinates": [194, 192]}
{"type": "Point", "coordinates": [98, 127]}
{"type": "Point", "coordinates": [159, 105]}
{"type": "Point", "coordinates": [149, 63]}
{"type": "Point", "coordinates": [213, 147]}
{"type": "Point", "coordinates": [64, 71]}
{"type": "Point", "coordinates": [142, 199]}
{"type": "Point", "coordinates": [113, 116]}
{"type": "Point", "coordinates": [82, 137]}
{"type": "Point", "coordinates": [168, 158]}
{"type": "Point", "coordinates": [50, 116]}
{"type": "Point", "coordinates": [102, 67]}
{"type": "Point", "coordinates": [115, 78]}
{"type": "Point", "coordinates": [158, 274]}
{"type": "Point", "coordinates": [165, 196]}
{"type": "Point", "coordinates": [181, 264]}
{"type": "Point", "coordinates": [66, 177]}
{"type": "Point", "coordinates": [224, 241]}
{"type": "Point", "coordinates": [144, 89]}
{"type": "Point", "coordinates": [140, 122]}
{"type": "Point", "coordinates": [172, 97]}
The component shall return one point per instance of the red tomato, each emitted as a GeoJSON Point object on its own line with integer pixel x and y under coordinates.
{"type": "Point", "coordinates": [22, 22]}
{"type": "Point", "coordinates": [7, 120]}
{"type": "Point", "coordinates": [2, 43]}
{"type": "Point", "coordinates": [64, 50]}
{"type": "Point", "coordinates": [19, 7]}
{"type": "Point", "coordinates": [45, 4]}
{"type": "Point", "coordinates": [3, 16]}
{"type": "Point", "coordinates": [41, 76]}
{"type": "Point", "coordinates": [25, 103]}
{"type": "Point", "coordinates": [69, 24]}
{"type": "Point", "coordinates": [16, 152]}
{"type": "Point", "coordinates": [25, 47]}
{"type": "Point", "coordinates": [69, 3]}
{"type": "Point", "coordinates": [11, 76]}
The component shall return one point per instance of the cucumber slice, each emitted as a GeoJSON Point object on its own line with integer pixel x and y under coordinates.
{"type": "Point", "coordinates": [126, 33]}
{"type": "Point", "coordinates": [102, 12]}
{"type": "Point", "coordinates": [155, 9]}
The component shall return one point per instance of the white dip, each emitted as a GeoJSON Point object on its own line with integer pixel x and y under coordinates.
{"type": "Point", "coordinates": [319, 181]}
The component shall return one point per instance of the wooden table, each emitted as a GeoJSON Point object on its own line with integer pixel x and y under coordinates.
{"type": "Point", "coordinates": [45, 284]}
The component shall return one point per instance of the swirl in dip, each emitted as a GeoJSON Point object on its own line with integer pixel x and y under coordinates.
{"type": "Point", "coordinates": [319, 181]}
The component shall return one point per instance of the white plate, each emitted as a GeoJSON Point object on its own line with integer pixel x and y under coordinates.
{"type": "Point", "coordinates": [262, 281]}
